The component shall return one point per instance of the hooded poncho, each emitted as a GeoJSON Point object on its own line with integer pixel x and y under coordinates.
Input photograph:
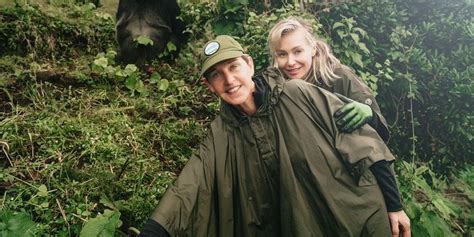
{"type": "Point", "coordinates": [284, 171]}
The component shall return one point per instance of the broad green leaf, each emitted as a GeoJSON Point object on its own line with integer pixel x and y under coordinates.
{"type": "Point", "coordinates": [119, 73]}
{"type": "Point", "coordinates": [163, 85]}
{"type": "Point", "coordinates": [361, 31]}
{"type": "Point", "coordinates": [357, 58]}
{"type": "Point", "coordinates": [103, 225]}
{"type": "Point", "coordinates": [102, 62]}
{"type": "Point", "coordinates": [110, 70]}
{"type": "Point", "coordinates": [129, 69]}
{"type": "Point", "coordinates": [355, 37]}
{"type": "Point", "coordinates": [171, 47]}
{"type": "Point", "coordinates": [16, 224]}
{"type": "Point", "coordinates": [341, 34]}
{"type": "Point", "coordinates": [107, 202]}
{"type": "Point", "coordinates": [143, 40]}
{"type": "Point", "coordinates": [363, 47]}
{"type": "Point", "coordinates": [337, 25]}
{"type": "Point", "coordinates": [42, 191]}
{"type": "Point", "coordinates": [420, 170]}
{"type": "Point", "coordinates": [131, 82]}
{"type": "Point", "coordinates": [140, 87]}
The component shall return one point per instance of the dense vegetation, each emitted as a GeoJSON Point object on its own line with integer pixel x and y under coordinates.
{"type": "Point", "coordinates": [89, 146]}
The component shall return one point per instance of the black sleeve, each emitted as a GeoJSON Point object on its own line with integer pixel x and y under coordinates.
{"type": "Point", "coordinates": [376, 124]}
{"type": "Point", "coordinates": [387, 183]}
{"type": "Point", "coordinates": [153, 229]}
{"type": "Point", "coordinates": [374, 121]}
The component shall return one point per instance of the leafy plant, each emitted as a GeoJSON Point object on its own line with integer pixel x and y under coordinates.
{"type": "Point", "coordinates": [103, 225]}
{"type": "Point", "coordinates": [16, 224]}
{"type": "Point", "coordinates": [430, 212]}
{"type": "Point", "coordinates": [28, 30]}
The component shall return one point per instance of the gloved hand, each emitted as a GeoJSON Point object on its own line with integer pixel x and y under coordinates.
{"type": "Point", "coordinates": [353, 115]}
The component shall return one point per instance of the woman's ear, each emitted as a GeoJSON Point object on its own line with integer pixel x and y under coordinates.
{"type": "Point", "coordinates": [251, 65]}
{"type": "Point", "coordinates": [249, 60]}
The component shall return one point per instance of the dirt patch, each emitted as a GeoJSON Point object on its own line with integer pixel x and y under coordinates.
{"type": "Point", "coordinates": [59, 79]}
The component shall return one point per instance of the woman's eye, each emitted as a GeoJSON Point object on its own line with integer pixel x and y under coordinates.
{"type": "Point", "coordinates": [214, 75]}
{"type": "Point", "coordinates": [234, 67]}
{"type": "Point", "coordinates": [280, 55]}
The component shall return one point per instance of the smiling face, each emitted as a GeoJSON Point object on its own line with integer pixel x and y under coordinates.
{"type": "Point", "coordinates": [294, 55]}
{"type": "Point", "coordinates": [231, 80]}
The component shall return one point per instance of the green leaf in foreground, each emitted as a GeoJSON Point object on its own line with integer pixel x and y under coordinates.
{"type": "Point", "coordinates": [16, 224]}
{"type": "Point", "coordinates": [103, 225]}
{"type": "Point", "coordinates": [102, 62]}
{"type": "Point", "coordinates": [143, 40]}
{"type": "Point", "coordinates": [163, 85]}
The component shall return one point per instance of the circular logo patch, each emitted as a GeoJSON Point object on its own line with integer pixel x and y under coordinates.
{"type": "Point", "coordinates": [368, 101]}
{"type": "Point", "coordinates": [211, 48]}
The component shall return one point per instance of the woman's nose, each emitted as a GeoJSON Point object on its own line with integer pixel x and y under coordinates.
{"type": "Point", "coordinates": [228, 77]}
{"type": "Point", "coordinates": [291, 60]}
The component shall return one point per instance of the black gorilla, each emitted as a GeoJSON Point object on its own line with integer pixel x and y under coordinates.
{"type": "Point", "coordinates": [155, 19]}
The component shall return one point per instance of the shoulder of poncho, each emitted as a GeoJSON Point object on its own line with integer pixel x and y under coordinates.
{"type": "Point", "coordinates": [296, 86]}
{"type": "Point", "coordinates": [345, 73]}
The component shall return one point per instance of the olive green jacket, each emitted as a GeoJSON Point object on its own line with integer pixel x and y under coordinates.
{"type": "Point", "coordinates": [284, 171]}
{"type": "Point", "coordinates": [349, 85]}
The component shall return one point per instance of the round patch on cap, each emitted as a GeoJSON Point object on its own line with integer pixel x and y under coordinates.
{"type": "Point", "coordinates": [368, 101]}
{"type": "Point", "coordinates": [211, 48]}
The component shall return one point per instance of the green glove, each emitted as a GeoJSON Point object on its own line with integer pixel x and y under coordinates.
{"type": "Point", "coordinates": [353, 115]}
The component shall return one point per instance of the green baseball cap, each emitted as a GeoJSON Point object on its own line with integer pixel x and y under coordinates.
{"type": "Point", "coordinates": [221, 48]}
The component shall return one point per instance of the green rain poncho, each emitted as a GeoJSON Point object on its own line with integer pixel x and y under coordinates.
{"type": "Point", "coordinates": [284, 171]}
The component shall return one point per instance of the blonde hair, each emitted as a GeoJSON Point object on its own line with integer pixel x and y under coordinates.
{"type": "Point", "coordinates": [323, 63]}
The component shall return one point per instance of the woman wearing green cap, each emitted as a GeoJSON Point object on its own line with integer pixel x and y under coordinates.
{"type": "Point", "coordinates": [299, 54]}
{"type": "Point", "coordinates": [274, 163]}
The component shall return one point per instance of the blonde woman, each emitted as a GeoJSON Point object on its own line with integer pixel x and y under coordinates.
{"type": "Point", "coordinates": [299, 54]}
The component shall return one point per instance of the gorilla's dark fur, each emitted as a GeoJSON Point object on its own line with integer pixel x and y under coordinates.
{"type": "Point", "coordinates": [155, 19]}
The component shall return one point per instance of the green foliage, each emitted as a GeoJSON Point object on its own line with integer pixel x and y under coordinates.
{"type": "Point", "coordinates": [419, 60]}
{"type": "Point", "coordinates": [431, 211]}
{"type": "Point", "coordinates": [28, 30]}
{"type": "Point", "coordinates": [143, 40]}
{"type": "Point", "coordinates": [232, 14]}
{"type": "Point", "coordinates": [103, 225]}
{"type": "Point", "coordinates": [16, 224]}
{"type": "Point", "coordinates": [104, 64]}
